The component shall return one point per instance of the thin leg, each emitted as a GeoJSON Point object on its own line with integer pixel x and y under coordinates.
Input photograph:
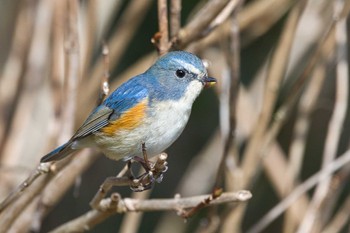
{"type": "Point", "coordinates": [145, 156]}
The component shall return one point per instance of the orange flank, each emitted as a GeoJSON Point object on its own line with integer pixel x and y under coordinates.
{"type": "Point", "coordinates": [128, 120]}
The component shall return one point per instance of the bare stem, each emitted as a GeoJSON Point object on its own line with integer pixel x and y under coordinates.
{"type": "Point", "coordinates": [163, 46]}
{"type": "Point", "coordinates": [116, 205]}
{"type": "Point", "coordinates": [175, 17]}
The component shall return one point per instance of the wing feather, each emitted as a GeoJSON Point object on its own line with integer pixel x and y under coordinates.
{"type": "Point", "coordinates": [98, 119]}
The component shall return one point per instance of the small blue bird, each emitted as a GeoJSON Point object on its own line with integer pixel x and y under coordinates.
{"type": "Point", "coordinates": [150, 109]}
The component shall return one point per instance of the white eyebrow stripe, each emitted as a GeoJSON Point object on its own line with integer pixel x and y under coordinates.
{"type": "Point", "coordinates": [188, 66]}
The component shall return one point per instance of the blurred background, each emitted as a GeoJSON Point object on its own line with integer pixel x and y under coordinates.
{"type": "Point", "coordinates": [276, 124]}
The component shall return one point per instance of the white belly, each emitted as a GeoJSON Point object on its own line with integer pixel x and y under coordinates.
{"type": "Point", "coordinates": [163, 124]}
{"type": "Point", "coordinates": [158, 131]}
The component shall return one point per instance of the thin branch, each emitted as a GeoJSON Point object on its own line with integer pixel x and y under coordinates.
{"type": "Point", "coordinates": [276, 72]}
{"type": "Point", "coordinates": [296, 154]}
{"type": "Point", "coordinates": [42, 168]}
{"type": "Point", "coordinates": [116, 205]}
{"type": "Point", "coordinates": [233, 5]}
{"type": "Point", "coordinates": [138, 184]}
{"type": "Point", "coordinates": [276, 211]}
{"type": "Point", "coordinates": [340, 218]}
{"type": "Point", "coordinates": [163, 46]}
{"type": "Point", "coordinates": [125, 30]}
{"type": "Point", "coordinates": [104, 89]}
{"type": "Point", "coordinates": [217, 192]}
{"type": "Point", "coordinates": [132, 220]}
{"type": "Point", "coordinates": [72, 71]}
{"type": "Point", "coordinates": [175, 17]}
{"type": "Point", "coordinates": [10, 75]}
{"type": "Point", "coordinates": [197, 26]}
{"type": "Point", "coordinates": [249, 19]}
{"type": "Point", "coordinates": [231, 83]}
{"type": "Point", "coordinates": [334, 130]}
{"type": "Point", "coordinates": [59, 184]}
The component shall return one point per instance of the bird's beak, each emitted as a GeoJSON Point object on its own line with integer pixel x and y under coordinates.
{"type": "Point", "coordinates": [208, 81]}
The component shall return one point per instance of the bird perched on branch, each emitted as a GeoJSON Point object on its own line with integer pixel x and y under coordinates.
{"type": "Point", "coordinates": [150, 109]}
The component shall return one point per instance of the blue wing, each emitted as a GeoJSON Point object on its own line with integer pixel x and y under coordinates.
{"type": "Point", "coordinates": [125, 97]}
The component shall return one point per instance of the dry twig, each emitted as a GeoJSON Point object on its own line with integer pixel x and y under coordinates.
{"type": "Point", "coordinates": [116, 205]}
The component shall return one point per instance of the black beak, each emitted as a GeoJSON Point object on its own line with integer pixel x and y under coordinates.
{"type": "Point", "coordinates": [208, 81]}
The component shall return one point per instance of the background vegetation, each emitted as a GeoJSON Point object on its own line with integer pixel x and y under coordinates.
{"type": "Point", "coordinates": [276, 124]}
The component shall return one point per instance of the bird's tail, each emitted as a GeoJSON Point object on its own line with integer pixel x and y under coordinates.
{"type": "Point", "coordinates": [58, 153]}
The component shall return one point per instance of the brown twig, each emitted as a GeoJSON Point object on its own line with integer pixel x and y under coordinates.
{"type": "Point", "coordinates": [132, 220]}
{"type": "Point", "coordinates": [10, 76]}
{"type": "Point", "coordinates": [204, 203]}
{"type": "Point", "coordinates": [72, 71]}
{"type": "Point", "coordinates": [340, 219]}
{"type": "Point", "coordinates": [38, 52]}
{"type": "Point", "coordinates": [249, 19]}
{"type": "Point", "coordinates": [196, 28]}
{"type": "Point", "coordinates": [115, 205]}
{"type": "Point", "coordinates": [233, 59]}
{"type": "Point", "coordinates": [175, 17]}
{"type": "Point", "coordinates": [276, 211]}
{"type": "Point", "coordinates": [59, 184]}
{"type": "Point", "coordinates": [233, 5]}
{"type": "Point", "coordinates": [126, 28]}
{"type": "Point", "coordinates": [104, 89]}
{"type": "Point", "coordinates": [163, 46]}
{"type": "Point", "coordinates": [275, 74]}
{"type": "Point", "coordinates": [334, 129]}
{"type": "Point", "coordinates": [42, 168]}
{"type": "Point", "coordinates": [297, 149]}
{"type": "Point", "coordinates": [139, 184]}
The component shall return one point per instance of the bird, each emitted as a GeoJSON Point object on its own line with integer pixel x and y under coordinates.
{"type": "Point", "coordinates": [150, 109]}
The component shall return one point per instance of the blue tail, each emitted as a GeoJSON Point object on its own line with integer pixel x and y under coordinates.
{"type": "Point", "coordinates": [58, 153]}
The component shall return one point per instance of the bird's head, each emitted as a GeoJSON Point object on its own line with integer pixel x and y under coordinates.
{"type": "Point", "coordinates": [182, 74]}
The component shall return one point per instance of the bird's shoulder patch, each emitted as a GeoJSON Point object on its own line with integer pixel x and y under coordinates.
{"type": "Point", "coordinates": [129, 120]}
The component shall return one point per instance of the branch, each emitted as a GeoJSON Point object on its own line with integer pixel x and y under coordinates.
{"type": "Point", "coordinates": [175, 17]}
{"type": "Point", "coordinates": [275, 76]}
{"type": "Point", "coordinates": [42, 168]}
{"type": "Point", "coordinates": [313, 217]}
{"type": "Point", "coordinates": [276, 211]}
{"type": "Point", "coordinates": [163, 46]}
{"type": "Point", "coordinates": [116, 205]}
{"type": "Point", "coordinates": [141, 183]}
{"type": "Point", "coordinates": [104, 89]}
{"type": "Point", "coordinates": [228, 98]}
{"type": "Point", "coordinates": [197, 26]}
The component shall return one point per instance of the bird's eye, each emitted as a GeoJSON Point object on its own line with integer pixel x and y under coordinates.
{"type": "Point", "coordinates": [180, 73]}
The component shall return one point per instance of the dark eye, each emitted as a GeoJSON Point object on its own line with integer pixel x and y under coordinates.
{"type": "Point", "coordinates": [180, 73]}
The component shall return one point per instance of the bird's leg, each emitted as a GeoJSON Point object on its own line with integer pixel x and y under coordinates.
{"type": "Point", "coordinates": [145, 156]}
{"type": "Point", "coordinates": [154, 174]}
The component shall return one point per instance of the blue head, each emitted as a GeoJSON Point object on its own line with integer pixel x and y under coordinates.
{"type": "Point", "coordinates": [180, 75]}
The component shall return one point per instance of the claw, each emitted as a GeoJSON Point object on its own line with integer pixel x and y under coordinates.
{"type": "Point", "coordinates": [159, 178]}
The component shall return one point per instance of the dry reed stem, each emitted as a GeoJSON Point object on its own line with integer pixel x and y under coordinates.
{"type": "Point", "coordinates": [277, 210]}
{"type": "Point", "coordinates": [296, 153]}
{"type": "Point", "coordinates": [126, 28]}
{"type": "Point", "coordinates": [228, 223]}
{"type": "Point", "coordinates": [175, 17]}
{"type": "Point", "coordinates": [340, 219]}
{"type": "Point", "coordinates": [249, 18]}
{"type": "Point", "coordinates": [116, 205]}
{"type": "Point", "coordinates": [313, 216]}
{"type": "Point", "coordinates": [274, 78]}
{"type": "Point", "coordinates": [163, 25]}
{"type": "Point", "coordinates": [231, 83]}
{"type": "Point", "coordinates": [196, 28]}
{"type": "Point", "coordinates": [10, 80]}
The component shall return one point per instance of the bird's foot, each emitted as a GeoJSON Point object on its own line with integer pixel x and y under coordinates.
{"type": "Point", "coordinates": [153, 173]}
